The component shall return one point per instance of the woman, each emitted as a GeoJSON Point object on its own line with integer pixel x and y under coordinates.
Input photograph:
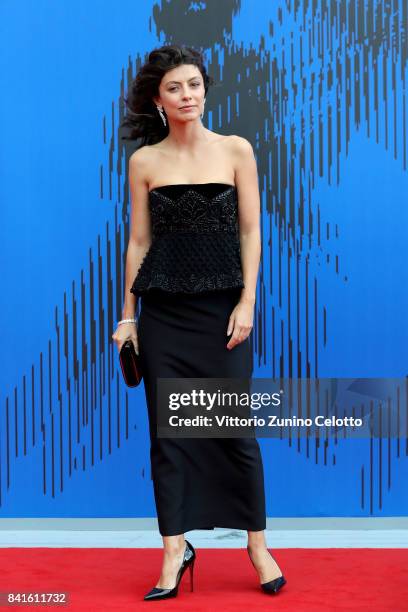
{"type": "Point", "coordinates": [195, 269]}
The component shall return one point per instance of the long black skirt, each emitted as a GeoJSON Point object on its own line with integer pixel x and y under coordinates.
{"type": "Point", "coordinates": [199, 483]}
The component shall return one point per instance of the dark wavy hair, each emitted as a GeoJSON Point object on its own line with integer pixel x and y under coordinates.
{"type": "Point", "coordinates": [142, 116]}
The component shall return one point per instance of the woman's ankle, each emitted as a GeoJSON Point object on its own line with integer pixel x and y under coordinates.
{"type": "Point", "coordinates": [174, 545]}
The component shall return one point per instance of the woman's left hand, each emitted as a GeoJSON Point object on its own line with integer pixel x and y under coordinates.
{"type": "Point", "coordinates": [240, 323]}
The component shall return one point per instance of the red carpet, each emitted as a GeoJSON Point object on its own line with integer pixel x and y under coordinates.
{"type": "Point", "coordinates": [116, 579]}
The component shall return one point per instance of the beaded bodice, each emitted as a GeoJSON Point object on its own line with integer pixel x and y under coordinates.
{"type": "Point", "coordinates": [195, 239]}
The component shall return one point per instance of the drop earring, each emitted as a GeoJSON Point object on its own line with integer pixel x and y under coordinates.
{"type": "Point", "coordinates": [202, 114]}
{"type": "Point", "coordinates": [162, 115]}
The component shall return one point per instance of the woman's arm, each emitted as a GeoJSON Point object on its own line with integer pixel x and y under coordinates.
{"type": "Point", "coordinates": [140, 228]}
{"type": "Point", "coordinates": [246, 180]}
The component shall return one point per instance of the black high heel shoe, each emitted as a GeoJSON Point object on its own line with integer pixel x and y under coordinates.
{"type": "Point", "coordinates": [272, 586]}
{"type": "Point", "coordinates": [188, 561]}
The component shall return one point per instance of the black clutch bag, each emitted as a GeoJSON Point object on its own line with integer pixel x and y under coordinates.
{"type": "Point", "coordinates": [130, 364]}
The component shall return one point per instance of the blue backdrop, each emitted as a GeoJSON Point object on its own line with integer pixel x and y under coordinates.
{"type": "Point", "coordinates": [320, 90]}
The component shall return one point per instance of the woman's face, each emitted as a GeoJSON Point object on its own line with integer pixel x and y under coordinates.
{"type": "Point", "coordinates": [182, 87]}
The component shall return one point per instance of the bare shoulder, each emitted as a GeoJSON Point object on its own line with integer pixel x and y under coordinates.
{"type": "Point", "coordinates": [142, 161]}
{"type": "Point", "coordinates": [141, 156]}
{"type": "Point", "coordinates": [240, 146]}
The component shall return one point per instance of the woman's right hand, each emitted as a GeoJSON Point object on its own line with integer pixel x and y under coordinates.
{"type": "Point", "coordinates": [126, 331]}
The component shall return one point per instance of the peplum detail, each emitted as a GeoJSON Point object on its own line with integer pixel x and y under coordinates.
{"type": "Point", "coordinates": [195, 240]}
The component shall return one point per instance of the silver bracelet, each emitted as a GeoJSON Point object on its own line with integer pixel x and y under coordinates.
{"type": "Point", "coordinates": [127, 321]}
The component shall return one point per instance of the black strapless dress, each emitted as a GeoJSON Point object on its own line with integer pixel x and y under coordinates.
{"type": "Point", "coordinates": [188, 283]}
